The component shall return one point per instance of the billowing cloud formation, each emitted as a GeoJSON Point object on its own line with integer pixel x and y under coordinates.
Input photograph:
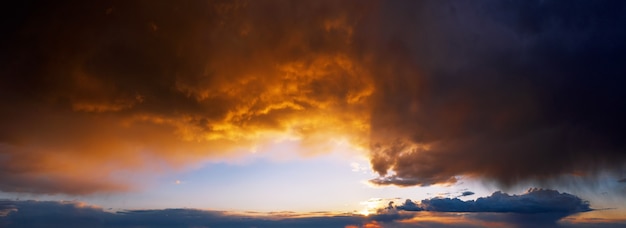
{"type": "Point", "coordinates": [508, 91]}
{"type": "Point", "coordinates": [533, 201]}
{"type": "Point", "coordinates": [91, 88]}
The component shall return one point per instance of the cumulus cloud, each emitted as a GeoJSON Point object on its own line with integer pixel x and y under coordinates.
{"type": "Point", "coordinates": [533, 201]}
{"type": "Point", "coordinates": [538, 205]}
{"type": "Point", "coordinates": [409, 205]}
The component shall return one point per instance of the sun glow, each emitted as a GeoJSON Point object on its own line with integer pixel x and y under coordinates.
{"type": "Point", "coordinates": [371, 206]}
{"type": "Point", "coordinates": [364, 212]}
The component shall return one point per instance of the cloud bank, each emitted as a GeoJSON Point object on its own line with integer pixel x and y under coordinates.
{"type": "Point", "coordinates": [536, 207]}
{"type": "Point", "coordinates": [74, 214]}
{"type": "Point", "coordinates": [505, 91]}
{"type": "Point", "coordinates": [532, 202]}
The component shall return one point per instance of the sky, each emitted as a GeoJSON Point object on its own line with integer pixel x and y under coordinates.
{"type": "Point", "coordinates": [271, 113]}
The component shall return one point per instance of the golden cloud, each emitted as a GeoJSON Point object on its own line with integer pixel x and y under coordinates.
{"type": "Point", "coordinates": [141, 86]}
{"type": "Point", "coordinates": [434, 90]}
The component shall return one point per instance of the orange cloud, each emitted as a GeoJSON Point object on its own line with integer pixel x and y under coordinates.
{"type": "Point", "coordinates": [148, 86]}
{"type": "Point", "coordinates": [90, 89]}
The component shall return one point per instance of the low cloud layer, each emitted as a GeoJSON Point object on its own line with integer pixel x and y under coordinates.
{"type": "Point", "coordinates": [536, 207]}
{"type": "Point", "coordinates": [74, 214]}
{"type": "Point", "coordinates": [505, 91]}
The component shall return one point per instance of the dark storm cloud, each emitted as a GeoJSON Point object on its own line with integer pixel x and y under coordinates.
{"type": "Point", "coordinates": [509, 91]}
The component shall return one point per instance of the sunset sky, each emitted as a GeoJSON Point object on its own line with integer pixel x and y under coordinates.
{"type": "Point", "coordinates": [269, 113]}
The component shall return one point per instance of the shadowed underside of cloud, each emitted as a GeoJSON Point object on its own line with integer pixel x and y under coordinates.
{"type": "Point", "coordinates": [533, 201]}
{"type": "Point", "coordinates": [536, 205]}
{"type": "Point", "coordinates": [508, 91]}
{"type": "Point", "coordinates": [73, 214]}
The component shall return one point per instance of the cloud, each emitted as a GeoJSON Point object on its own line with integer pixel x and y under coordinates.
{"type": "Point", "coordinates": [592, 222]}
{"type": "Point", "coordinates": [466, 193]}
{"type": "Point", "coordinates": [409, 205]}
{"type": "Point", "coordinates": [537, 205]}
{"type": "Point", "coordinates": [509, 92]}
{"type": "Point", "coordinates": [77, 214]}
{"type": "Point", "coordinates": [533, 201]}
{"type": "Point", "coordinates": [93, 89]}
